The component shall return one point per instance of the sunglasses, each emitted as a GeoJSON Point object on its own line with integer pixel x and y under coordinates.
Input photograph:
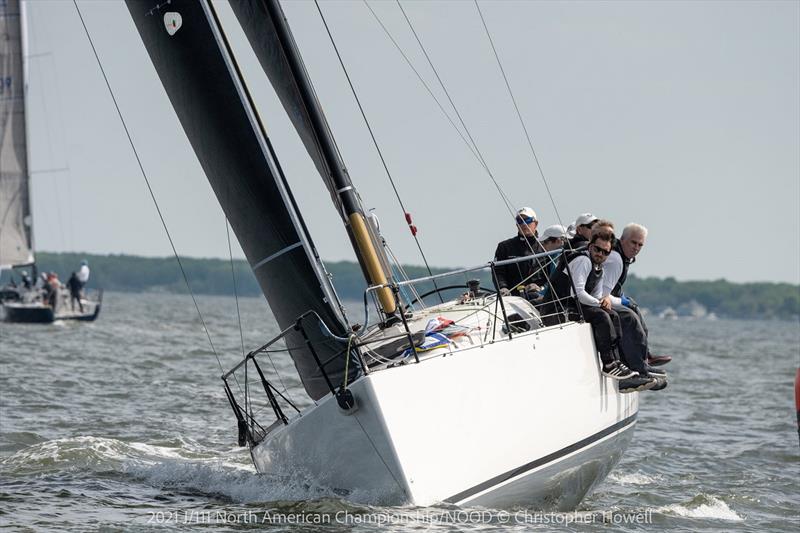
{"type": "Point", "coordinates": [601, 251]}
{"type": "Point", "coordinates": [525, 220]}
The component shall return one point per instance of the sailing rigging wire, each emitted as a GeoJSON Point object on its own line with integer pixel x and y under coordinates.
{"type": "Point", "coordinates": [406, 214]}
{"type": "Point", "coordinates": [472, 147]}
{"type": "Point", "coordinates": [235, 289]}
{"type": "Point", "coordinates": [471, 143]}
{"type": "Point", "coordinates": [519, 114]}
{"type": "Point", "coordinates": [149, 188]}
{"type": "Point", "coordinates": [424, 83]}
{"type": "Point", "coordinates": [455, 109]}
{"type": "Point", "coordinates": [239, 316]}
{"type": "Point", "coordinates": [28, 67]}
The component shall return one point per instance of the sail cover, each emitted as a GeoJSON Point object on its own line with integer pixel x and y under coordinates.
{"type": "Point", "coordinates": [16, 231]}
{"type": "Point", "coordinates": [190, 54]}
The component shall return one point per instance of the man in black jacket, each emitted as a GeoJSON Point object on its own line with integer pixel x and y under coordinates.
{"type": "Point", "coordinates": [518, 278]}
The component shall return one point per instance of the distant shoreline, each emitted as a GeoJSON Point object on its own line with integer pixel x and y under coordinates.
{"type": "Point", "coordinates": [667, 296]}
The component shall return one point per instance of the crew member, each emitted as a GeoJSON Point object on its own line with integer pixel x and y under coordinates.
{"type": "Point", "coordinates": [586, 272]}
{"type": "Point", "coordinates": [516, 278]}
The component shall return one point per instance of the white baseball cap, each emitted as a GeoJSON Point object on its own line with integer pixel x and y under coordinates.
{"type": "Point", "coordinates": [554, 231]}
{"type": "Point", "coordinates": [585, 219]}
{"type": "Point", "coordinates": [527, 212]}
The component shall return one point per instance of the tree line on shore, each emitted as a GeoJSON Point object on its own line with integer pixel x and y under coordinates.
{"type": "Point", "coordinates": [128, 273]}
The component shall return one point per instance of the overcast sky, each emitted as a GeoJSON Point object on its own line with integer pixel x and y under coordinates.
{"type": "Point", "coordinates": [683, 116]}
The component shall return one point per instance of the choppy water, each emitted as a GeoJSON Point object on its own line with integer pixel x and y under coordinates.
{"type": "Point", "coordinates": [122, 424]}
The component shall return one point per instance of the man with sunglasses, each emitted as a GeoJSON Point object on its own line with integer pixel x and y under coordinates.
{"type": "Point", "coordinates": [586, 272]}
{"type": "Point", "coordinates": [520, 278]}
{"type": "Point", "coordinates": [616, 272]}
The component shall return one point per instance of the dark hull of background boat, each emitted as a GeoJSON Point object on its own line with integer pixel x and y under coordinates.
{"type": "Point", "coordinates": [28, 314]}
{"type": "Point", "coordinates": [34, 314]}
{"type": "Point", "coordinates": [9, 295]}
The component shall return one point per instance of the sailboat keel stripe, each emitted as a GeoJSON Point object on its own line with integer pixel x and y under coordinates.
{"type": "Point", "coordinates": [276, 254]}
{"type": "Point", "coordinates": [541, 461]}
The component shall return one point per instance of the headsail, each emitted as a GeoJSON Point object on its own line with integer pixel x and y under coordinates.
{"type": "Point", "coordinates": [190, 54]}
{"type": "Point", "coordinates": [16, 229]}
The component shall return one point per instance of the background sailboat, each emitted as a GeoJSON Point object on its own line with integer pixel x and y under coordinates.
{"type": "Point", "coordinates": [22, 304]}
{"type": "Point", "coordinates": [16, 223]}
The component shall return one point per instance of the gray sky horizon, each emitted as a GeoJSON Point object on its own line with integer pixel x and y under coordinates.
{"type": "Point", "coordinates": [682, 116]}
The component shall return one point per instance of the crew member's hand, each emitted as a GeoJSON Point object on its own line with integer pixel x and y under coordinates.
{"type": "Point", "coordinates": [532, 287]}
{"type": "Point", "coordinates": [605, 303]}
{"type": "Point", "coordinates": [505, 292]}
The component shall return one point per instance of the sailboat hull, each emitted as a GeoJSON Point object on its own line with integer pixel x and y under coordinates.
{"type": "Point", "coordinates": [527, 422]}
{"type": "Point", "coordinates": [38, 313]}
{"type": "Point", "coordinates": [28, 313]}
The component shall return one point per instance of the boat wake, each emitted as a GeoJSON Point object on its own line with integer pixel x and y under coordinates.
{"type": "Point", "coordinates": [183, 470]}
{"type": "Point", "coordinates": [702, 506]}
{"type": "Point", "coordinates": [179, 466]}
{"type": "Point", "coordinates": [633, 478]}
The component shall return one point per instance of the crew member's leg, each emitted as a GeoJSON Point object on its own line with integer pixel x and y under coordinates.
{"type": "Point", "coordinates": [653, 360]}
{"type": "Point", "coordinates": [634, 340]}
{"type": "Point", "coordinates": [605, 335]}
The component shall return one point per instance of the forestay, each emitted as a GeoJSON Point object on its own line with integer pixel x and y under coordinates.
{"type": "Point", "coordinates": [190, 53]}
{"type": "Point", "coordinates": [16, 229]}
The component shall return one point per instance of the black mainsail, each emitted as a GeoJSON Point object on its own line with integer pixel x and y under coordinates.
{"type": "Point", "coordinates": [16, 228]}
{"type": "Point", "coordinates": [193, 60]}
{"type": "Point", "coordinates": [268, 32]}
{"type": "Point", "coordinates": [256, 19]}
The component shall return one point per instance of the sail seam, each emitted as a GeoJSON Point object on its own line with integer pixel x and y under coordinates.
{"type": "Point", "coordinates": [277, 254]}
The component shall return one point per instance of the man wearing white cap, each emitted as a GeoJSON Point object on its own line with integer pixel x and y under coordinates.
{"type": "Point", "coordinates": [518, 277]}
{"type": "Point", "coordinates": [553, 237]}
{"type": "Point", "coordinates": [583, 230]}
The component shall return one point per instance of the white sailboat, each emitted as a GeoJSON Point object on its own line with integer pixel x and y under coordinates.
{"type": "Point", "coordinates": [22, 304]}
{"type": "Point", "coordinates": [472, 401]}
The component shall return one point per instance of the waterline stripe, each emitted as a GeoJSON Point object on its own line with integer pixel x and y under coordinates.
{"type": "Point", "coordinates": [276, 254]}
{"type": "Point", "coordinates": [541, 461]}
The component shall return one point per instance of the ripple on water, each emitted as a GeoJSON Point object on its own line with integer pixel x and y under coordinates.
{"type": "Point", "coordinates": [127, 416]}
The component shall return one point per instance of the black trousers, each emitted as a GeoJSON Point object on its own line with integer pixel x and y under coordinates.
{"type": "Point", "coordinates": [607, 331]}
{"type": "Point", "coordinates": [633, 343]}
{"type": "Point", "coordinates": [75, 297]}
{"type": "Point", "coordinates": [635, 308]}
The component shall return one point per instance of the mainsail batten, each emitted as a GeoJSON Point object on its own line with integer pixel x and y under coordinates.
{"type": "Point", "coordinates": [188, 49]}
{"type": "Point", "coordinates": [16, 228]}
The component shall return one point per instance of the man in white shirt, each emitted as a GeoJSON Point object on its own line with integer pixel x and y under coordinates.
{"type": "Point", "coordinates": [83, 274]}
{"type": "Point", "coordinates": [615, 273]}
{"type": "Point", "coordinates": [586, 272]}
